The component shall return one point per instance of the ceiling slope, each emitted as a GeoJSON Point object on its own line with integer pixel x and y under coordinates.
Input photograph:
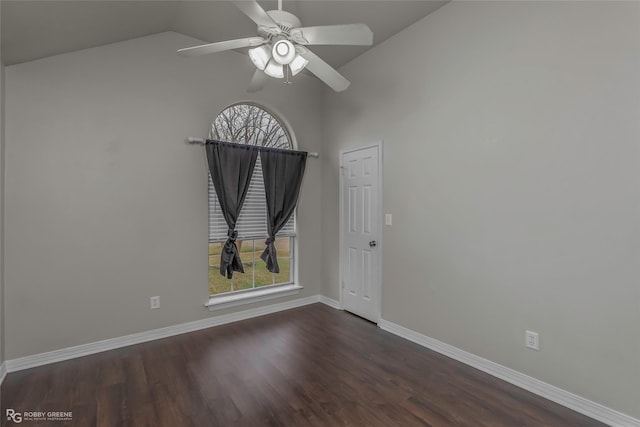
{"type": "Point", "coordinates": [37, 29]}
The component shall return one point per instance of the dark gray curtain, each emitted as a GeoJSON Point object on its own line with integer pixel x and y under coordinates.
{"type": "Point", "coordinates": [282, 171]}
{"type": "Point", "coordinates": [231, 167]}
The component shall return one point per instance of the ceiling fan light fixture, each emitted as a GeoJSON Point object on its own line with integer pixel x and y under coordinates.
{"type": "Point", "coordinates": [279, 50]}
{"type": "Point", "coordinates": [260, 56]}
{"type": "Point", "coordinates": [275, 70]}
{"type": "Point", "coordinates": [283, 52]}
{"type": "Point", "coordinates": [298, 64]}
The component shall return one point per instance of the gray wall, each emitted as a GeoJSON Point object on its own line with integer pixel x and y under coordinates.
{"type": "Point", "coordinates": [511, 152]}
{"type": "Point", "coordinates": [1, 213]}
{"type": "Point", "coordinates": [105, 203]}
{"type": "Point", "coordinates": [1, 208]}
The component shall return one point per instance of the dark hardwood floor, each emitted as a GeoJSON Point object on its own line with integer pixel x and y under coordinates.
{"type": "Point", "coordinates": [310, 366]}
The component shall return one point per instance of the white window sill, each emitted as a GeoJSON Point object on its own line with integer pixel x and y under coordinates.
{"type": "Point", "coordinates": [219, 302]}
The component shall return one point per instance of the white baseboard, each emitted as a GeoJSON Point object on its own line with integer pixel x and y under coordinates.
{"type": "Point", "coordinates": [113, 343]}
{"type": "Point", "coordinates": [548, 391]}
{"type": "Point", "coordinates": [330, 302]}
{"type": "Point", "coordinates": [3, 371]}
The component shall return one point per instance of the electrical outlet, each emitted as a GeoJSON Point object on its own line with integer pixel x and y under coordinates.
{"type": "Point", "coordinates": [532, 340]}
{"type": "Point", "coordinates": [155, 303]}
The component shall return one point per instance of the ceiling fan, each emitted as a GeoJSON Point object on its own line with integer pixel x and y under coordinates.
{"type": "Point", "coordinates": [280, 50]}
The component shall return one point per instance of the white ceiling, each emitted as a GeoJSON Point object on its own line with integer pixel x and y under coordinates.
{"type": "Point", "coordinates": [37, 29]}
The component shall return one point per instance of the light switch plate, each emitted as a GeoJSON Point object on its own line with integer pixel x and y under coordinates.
{"type": "Point", "coordinates": [388, 220]}
{"type": "Point", "coordinates": [532, 340]}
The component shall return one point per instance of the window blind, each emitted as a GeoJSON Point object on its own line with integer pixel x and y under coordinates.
{"type": "Point", "coordinates": [252, 223]}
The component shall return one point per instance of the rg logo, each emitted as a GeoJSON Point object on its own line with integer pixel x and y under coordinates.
{"type": "Point", "coordinates": [14, 416]}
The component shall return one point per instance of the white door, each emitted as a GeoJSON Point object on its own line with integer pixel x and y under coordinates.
{"type": "Point", "coordinates": [360, 255]}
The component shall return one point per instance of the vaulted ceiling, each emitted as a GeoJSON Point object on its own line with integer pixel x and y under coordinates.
{"type": "Point", "coordinates": [37, 29]}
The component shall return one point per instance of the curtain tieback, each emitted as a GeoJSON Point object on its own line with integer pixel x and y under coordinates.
{"type": "Point", "coordinates": [229, 257]}
{"type": "Point", "coordinates": [270, 255]}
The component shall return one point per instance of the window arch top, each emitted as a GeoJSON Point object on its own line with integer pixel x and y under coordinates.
{"type": "Point", "coordinates": [248, 123]}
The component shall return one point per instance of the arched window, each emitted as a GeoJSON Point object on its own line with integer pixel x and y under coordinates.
{"type": "Point", "coordinates": [251, 124]}
{"type": "Point", "coordinates": [248, 123]}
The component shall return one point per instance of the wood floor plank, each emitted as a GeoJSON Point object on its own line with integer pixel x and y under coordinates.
{"type": "Point", "coordinates": [310, 367]}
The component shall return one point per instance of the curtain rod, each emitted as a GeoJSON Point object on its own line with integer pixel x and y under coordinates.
{"type": "Point", "coordinates": [193, 140]}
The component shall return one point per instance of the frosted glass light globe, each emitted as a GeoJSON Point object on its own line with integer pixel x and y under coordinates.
{"type": "Point", "coordinates": [283, 52]}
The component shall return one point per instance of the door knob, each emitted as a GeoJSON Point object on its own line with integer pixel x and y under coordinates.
{"type": "Point", "coordinates": [373, 243]}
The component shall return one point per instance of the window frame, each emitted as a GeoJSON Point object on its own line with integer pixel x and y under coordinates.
{"type": "Point", "coordinates": [266, 292]}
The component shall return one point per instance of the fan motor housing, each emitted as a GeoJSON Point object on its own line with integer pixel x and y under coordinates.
{"type": "Point", "coordinates": [284, 19]}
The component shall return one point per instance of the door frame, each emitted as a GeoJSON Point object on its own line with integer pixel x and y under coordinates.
{"type": "Point", "coordinates": [378, 290]}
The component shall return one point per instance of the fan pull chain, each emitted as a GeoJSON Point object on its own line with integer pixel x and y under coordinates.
{"type": "Point", "coordinates": [286, 75]}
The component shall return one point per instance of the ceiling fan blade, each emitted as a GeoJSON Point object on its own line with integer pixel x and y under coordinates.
{"type": "Point", "coordinates": [324, 71]}
{"type": "Point", "coordinates": [257, 81]}
{"type": "Point", "coordinates": [256, 13]}
{"type": "Point", "coordinates": [206, 49]}
{"type": "Point", "coordinates": [349, 34]}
